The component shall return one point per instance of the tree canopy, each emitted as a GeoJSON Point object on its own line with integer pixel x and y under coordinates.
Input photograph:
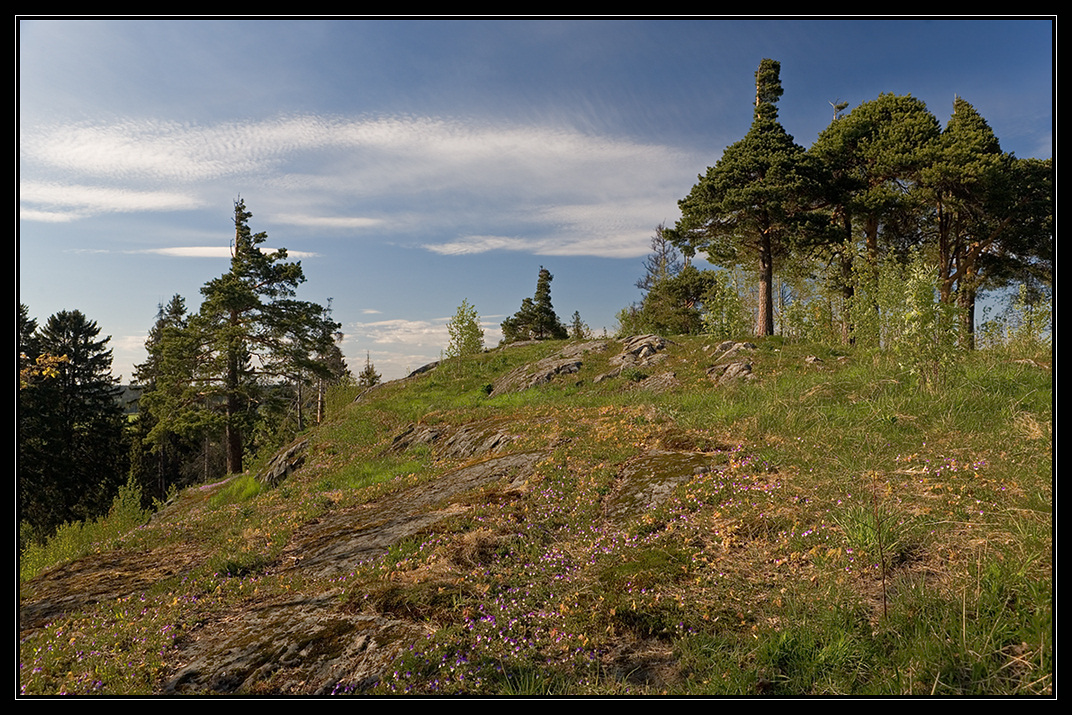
{"type": "Point", "coordinates": [756, 204]}
{"type": "Point", "coordinates": [72, 450]}
{"type": "Point", "coordinates": [250, 334]}
{"type": "Point", "coordinates": [536, 320]}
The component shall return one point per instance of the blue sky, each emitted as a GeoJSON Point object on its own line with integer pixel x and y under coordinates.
{"type": "Point", "coordinates": [411, 164]}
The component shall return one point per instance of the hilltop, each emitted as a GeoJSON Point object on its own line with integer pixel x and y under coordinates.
{"type": "Point", "coordinates": [634, 516]}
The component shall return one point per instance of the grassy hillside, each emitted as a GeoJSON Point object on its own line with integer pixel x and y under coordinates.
{"type": "Point", "coordinates": [825, 525]}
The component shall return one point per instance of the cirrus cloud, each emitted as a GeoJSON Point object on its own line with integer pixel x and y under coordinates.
{"type": "Point", "coordinates": [562, 191]}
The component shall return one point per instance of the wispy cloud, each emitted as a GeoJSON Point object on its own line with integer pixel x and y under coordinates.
{"type": "Point", "coordinates": [573, 192]}
{"type": "Point", "coordinates": [212, 252]}
{"type": "Point", "coordinates": [83, 199]}
{"type": "Point", "coordinates": [327, 221]}
{"type": "Point", "coordinates": [479, 244]}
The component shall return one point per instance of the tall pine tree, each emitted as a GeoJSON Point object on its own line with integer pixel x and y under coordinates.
{"type": "Point", "coordinates": [754, 206]}
{"type": "Point", "coordinates": [250, 336]}
{"type": "Point", "coordinates": [993, 212]}
{"type": "Point", "coordinates": [872, 160]}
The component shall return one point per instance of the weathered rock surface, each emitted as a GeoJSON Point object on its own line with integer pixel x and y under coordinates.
{"type": "Point", "coordinates": [464, 442]}
{"type": "Point", "coordinates": [650, 479]}
{"type": "Point", "coordinates": [729, 348]}
{"type": "Point", "coordinates": [725, 374]}
{"type": "Point", "coordinates": [566, 361]}
{"type": "Point", "coordinates": [303, 645]}
{"type": "Point", "coordinates": [314, 645]}
{"type": "Point", "coordinates": [638, 351]}
{"type": "Point", "coordinates": [284, 462]}
{"type": "Point", "coordinates": [341, 539]}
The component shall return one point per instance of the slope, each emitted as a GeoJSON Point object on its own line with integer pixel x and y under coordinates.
{"type": "Point", "coordinates": [607, 517]}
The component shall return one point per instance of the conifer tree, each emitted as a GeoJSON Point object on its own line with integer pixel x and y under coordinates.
{"type": "Point", "coordinates": [250, 333]}
{"type": "Point", "coordinates": [993, 211]}
{"type": "Point", "coordinates": [662, 263]}
{"type": "Point", "coordinates": [872, 160]}
{"type": "Point", "coordinates": [368, 377]}
{"type": "Point", "coordinates": [536, 320]}
{"type": "Point", "coordinates": [755, 205]}
{"type": "Point", "coordinates": [71, 442]}
{"type": "Point", "coordinates": [164, 452]}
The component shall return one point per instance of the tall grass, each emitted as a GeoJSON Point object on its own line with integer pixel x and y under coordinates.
{"type": "Point", "coordinates": [76, 539]}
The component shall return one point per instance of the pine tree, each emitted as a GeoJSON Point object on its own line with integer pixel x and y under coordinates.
{"type": "Point", "coordinates": [250, 336]}
{"type": "Point", "coordinates": [536, 320]}
{"type": "Point", "coordinates": [872, 160]}
{"type": "Point", "coordinates": [755, 205]}
{"type": "Point", "coordinates": [994, 211]}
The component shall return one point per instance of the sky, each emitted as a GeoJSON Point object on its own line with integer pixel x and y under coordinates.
{"type": "Point", "coordinates": [413, 164]}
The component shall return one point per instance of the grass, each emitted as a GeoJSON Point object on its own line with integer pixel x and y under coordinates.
{"type": "Point", "coordinates": [77, 539]}
{"type": "Point", "coordinates": [854, 535]}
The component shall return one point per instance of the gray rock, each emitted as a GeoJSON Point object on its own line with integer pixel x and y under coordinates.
{"type": "Point", "coordinates": [283, 463]}
{"type": "Point", "coordinates": [724, 374]}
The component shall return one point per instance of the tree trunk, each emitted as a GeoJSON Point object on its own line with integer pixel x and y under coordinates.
{"type": "Point", "coordinates": [233, 435]}
{"type": "Point", "coordinates": [765, 321]}
{"type": "Point", "coordinates": [966, 301]}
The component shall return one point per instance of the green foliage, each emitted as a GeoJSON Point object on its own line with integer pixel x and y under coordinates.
{"type": "Point", "coordinates": [251, 335]}
{"type": "Point", "coordinates": [239, 489]}
{"type": "Point", "coordinates": [71, 440]}
{"type": "Point", "coordinates": [877, 533]}
{"type": "Point", "coordinates": [536, 320]}
{"type": "Point", "coordinates": [754, 207]}
{"type": "Point", "coordinates": [682, 300]}
{"type": "Point", "coordinates": [723, 314]}
{"type": "Point", "coordinates": [928, 337]}
{"type": "Point", "coordinates": [368, 377]}
{"type": "Point", "coordinates": [466, 337]}
{"type": "Point", "coordinates": [74, 539]}
{"type": "Point", "coordinates": [165, 455]}
{"type": "Point", "coordinates": [1025, 324]}
{"type": "Point", "coordinates": [578, 329]}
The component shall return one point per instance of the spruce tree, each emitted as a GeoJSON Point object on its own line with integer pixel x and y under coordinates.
{"type": "Point", "coordinates": [368, 377]}
{"type": "Point", "coordinates": [166, 452]}
{"type": "Point", "coordinates": [71, 442]}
